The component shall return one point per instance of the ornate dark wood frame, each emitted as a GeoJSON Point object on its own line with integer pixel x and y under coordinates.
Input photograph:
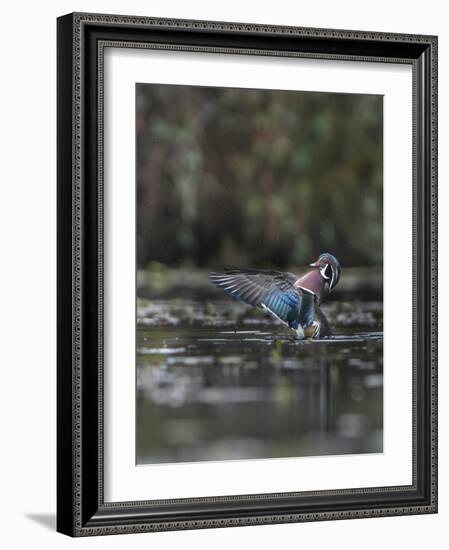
{"type": "Point", "coordinates": [81, 509]}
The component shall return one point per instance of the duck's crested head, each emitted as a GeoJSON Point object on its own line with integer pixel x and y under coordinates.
{"type": "Point", "coordinates": [330, 269]}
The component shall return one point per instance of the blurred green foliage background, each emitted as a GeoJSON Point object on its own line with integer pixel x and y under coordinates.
{"type": "Point", "coordinates": [257, 178]}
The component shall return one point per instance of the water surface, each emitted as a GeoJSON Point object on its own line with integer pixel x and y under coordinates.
{"type": "Point", "coordinates": [221, 381]}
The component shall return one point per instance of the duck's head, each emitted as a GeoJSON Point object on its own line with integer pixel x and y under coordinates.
{"type": "Point", "coordinates": [330, 269]}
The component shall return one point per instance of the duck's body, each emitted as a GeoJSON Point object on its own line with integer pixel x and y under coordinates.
{"type": "Point", "coordinates": [293, 300]}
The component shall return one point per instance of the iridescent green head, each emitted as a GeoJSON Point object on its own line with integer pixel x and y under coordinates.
{"type": "Point", "coordinates": [330, 269]}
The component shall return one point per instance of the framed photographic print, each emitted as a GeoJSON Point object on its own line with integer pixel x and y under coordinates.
{"type": "Point", "coordinates": [246, 274]}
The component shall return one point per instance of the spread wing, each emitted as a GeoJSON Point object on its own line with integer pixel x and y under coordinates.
{"type": "Point", "coordinates": [273, 291]}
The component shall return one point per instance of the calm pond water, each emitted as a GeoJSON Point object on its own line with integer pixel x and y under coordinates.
{"type": "Point", "coordinates": [221, 381]}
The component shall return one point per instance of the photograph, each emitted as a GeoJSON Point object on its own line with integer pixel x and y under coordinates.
{"type": "Point", "coordinates": [259, 273]}
{"type": "Point", "coordinates": [247, 289]}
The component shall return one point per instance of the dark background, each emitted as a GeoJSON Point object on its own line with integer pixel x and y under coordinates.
{"type": "Point", "coordinates": [257, 178]}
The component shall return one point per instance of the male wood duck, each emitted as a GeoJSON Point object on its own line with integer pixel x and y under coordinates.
{"type": "Point", "coordinates": [293, 300]}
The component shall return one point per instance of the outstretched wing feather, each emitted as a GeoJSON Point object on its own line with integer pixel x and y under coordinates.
{"type": "Point", "coordinates": [270, 290]}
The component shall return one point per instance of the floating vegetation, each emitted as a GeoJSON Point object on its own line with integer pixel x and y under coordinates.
{"type": "Point", "coordinates": [223, 314]}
